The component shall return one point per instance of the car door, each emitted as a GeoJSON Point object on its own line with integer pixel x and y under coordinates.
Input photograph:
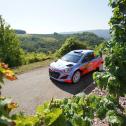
{"type": "Point", "coordinates": [86, 64]}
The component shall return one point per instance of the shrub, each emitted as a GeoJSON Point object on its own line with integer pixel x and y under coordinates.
{"type": "Point", "coordinates": [69, 45]}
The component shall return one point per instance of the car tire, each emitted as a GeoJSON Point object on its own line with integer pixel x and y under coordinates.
{"type": "Point", "coordinates": [76, 77]}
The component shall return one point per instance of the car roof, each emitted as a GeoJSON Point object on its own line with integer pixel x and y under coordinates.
{"type": "Point", "coordinates": [81, 52]}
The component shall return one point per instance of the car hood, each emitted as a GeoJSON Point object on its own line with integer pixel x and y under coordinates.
{"type": "Point", "coordinates": [61, 64]}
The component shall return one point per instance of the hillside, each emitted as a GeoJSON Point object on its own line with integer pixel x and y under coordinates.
{"type": "Point", "coordinates": [101, 33]}
{"type": "Point", "coordinates": [104, 33]}
{"type": "Point", "coordinates": [52, 42]}
{"type": "Point", "coordinates": [18, 31]}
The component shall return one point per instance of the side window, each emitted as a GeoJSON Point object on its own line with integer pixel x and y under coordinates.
{"type": "Point", "coordinates": [91, 56]}
{"type": "Point", "coordinates": [88, 57]}
{"type": "Point", "coordinates": [85, 59]}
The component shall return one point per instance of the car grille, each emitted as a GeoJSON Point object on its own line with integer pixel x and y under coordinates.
{"type": "Point", "coordinates": [54, 74]}
{"type": "Point", "coordinates": [64, 77]}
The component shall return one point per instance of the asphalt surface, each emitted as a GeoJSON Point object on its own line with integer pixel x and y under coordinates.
{"type": "Point", "coordinates": [35, 87]}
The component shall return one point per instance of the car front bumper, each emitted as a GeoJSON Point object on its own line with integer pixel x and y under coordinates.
{"type": "Point", "coordinates": [60, 76]}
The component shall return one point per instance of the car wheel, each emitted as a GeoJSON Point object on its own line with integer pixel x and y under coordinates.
{"type": "Point", "coordinates": [76, 76]}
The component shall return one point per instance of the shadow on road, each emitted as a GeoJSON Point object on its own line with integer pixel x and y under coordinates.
{"type": "Point", "coordinates": [75, 88]}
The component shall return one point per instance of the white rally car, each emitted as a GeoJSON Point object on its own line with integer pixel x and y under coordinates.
{"type": "Point", "coordinates": [74, 64]}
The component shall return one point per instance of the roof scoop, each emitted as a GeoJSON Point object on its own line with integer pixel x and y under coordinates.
{"type": "Point", "coordinates": [78, 51]}
{"type": "Point", "coordinates": [69, 65]}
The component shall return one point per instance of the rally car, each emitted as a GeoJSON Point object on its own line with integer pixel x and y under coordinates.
{"type": "Point", "coordinates": [74, 64]}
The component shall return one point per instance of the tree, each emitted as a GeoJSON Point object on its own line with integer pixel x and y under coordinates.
{"type": "Point", "coordinates": [70, 44]}
{"type": "Point", "coordinates": [10, 50]}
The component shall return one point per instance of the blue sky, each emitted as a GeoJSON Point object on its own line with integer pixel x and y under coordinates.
{"type": "Point", "coordinates": [48, 16]}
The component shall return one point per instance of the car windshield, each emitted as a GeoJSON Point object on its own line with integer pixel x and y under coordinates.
{"type": "Point", "coordinates": [71, 58]}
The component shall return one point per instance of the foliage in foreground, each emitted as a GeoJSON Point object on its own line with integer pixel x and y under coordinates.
{"type": "Point", "coordinates": [5, 72]}
{"type": "Point", "coordinates": [114, 79]}
{"type": "Point", "coordinates": [6, 104]}
{"type": "Point", "coordinates": [75, 111]}
{"type": "Point", "coordinates": [80, 111]}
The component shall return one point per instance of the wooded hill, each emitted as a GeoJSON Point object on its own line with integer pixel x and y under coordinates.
{"type": "Point", "coordinates": [51, 42]}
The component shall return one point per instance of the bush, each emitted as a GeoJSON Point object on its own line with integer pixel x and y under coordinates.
{"type": "Point", "coordinates": [69, 45]}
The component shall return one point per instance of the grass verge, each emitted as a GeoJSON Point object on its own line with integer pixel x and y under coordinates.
{"type": "Point", "coordinates": [31, 66]}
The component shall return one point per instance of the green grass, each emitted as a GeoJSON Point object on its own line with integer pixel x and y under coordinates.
{"type": "Point", "coordinates": [31, 66]}
{"type": "Point", "coordinates": [37, 57]}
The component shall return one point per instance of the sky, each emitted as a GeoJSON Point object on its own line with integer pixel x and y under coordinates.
{"type": "Point", "coordinates": [49, 16]}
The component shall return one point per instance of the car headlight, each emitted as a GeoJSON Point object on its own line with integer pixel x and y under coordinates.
{"type": "Point", "coordinates": [67, 70]}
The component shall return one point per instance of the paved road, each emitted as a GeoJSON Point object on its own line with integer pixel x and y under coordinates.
{"type": "Point", "coordinates": [34, 87]}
